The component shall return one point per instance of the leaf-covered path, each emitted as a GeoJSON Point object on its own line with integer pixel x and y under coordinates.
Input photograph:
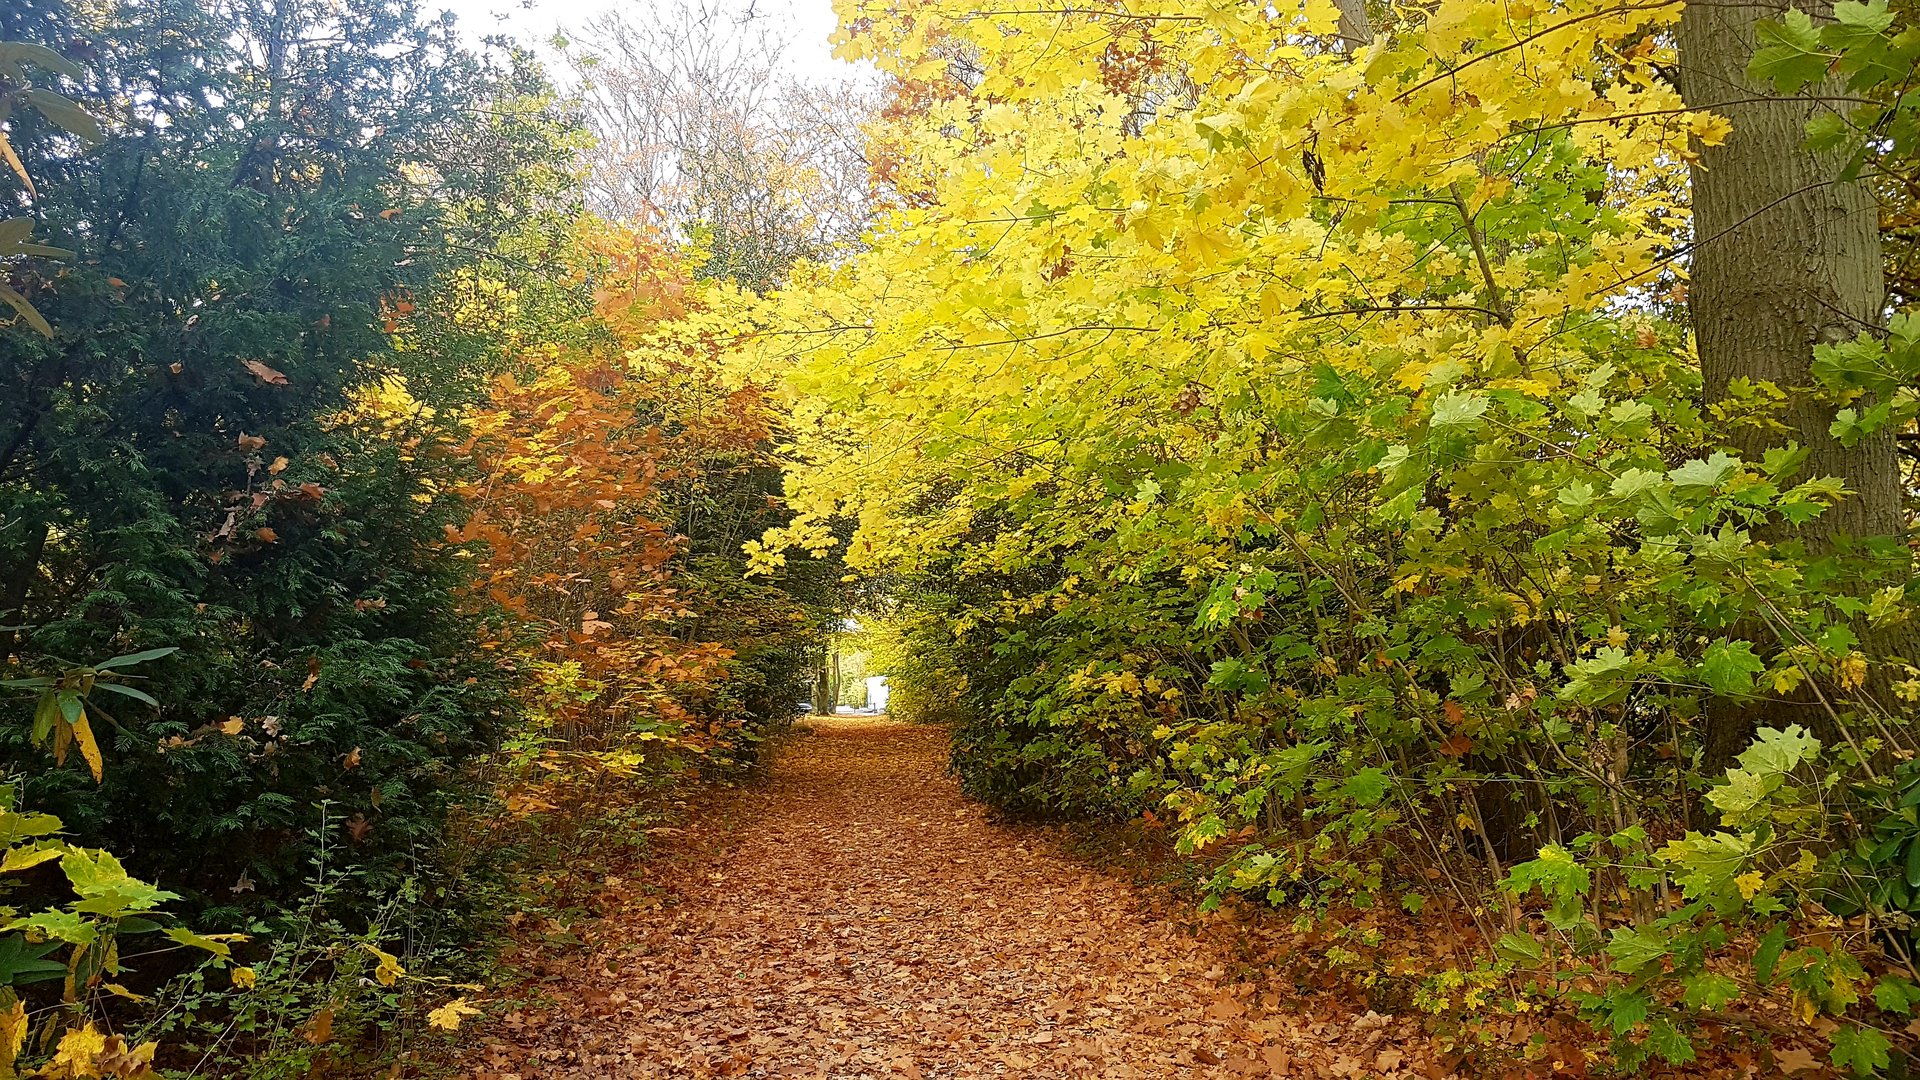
{"type": "Point", "coordinates": [867, 921]}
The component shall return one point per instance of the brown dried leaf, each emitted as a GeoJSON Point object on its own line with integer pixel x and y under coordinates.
{"type": "Point", "coordinates": [264, 373]}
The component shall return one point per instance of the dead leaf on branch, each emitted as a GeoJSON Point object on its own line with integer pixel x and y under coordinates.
{"type": "Point", "coordinates": [264, 373]}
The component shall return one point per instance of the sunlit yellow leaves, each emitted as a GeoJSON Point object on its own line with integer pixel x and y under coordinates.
{"type": "Point", "coordinates": [1711, 130]}
{"type": "Point", "coordinates": [1074, 241]}
{"type": "Point", "coordinates": [79, 1051]}
{"type": "Point", "coordinates": [85, 1053]}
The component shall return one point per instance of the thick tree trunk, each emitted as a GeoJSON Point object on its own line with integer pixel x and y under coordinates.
{"type": "Point", "coordinates": [1786, 256]}
{"type": "Point", "coordinates": [1355, 29]}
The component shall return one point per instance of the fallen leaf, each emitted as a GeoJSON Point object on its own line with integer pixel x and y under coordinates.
{"type": "Point", "coordinates": [1795, 1059]}
{"type": "Point", "coordinates": [318, 1029]}
{"type": "Point", "coordinates": [447, 1017]}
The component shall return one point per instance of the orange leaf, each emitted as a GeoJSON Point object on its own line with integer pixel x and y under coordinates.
{"type": "Point", "coordinates": [267, 535]}
{"type": "Point", "coordinates": [319, 1029]}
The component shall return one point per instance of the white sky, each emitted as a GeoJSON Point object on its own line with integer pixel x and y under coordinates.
{"type": "Point", "coordinates": [806, 24]}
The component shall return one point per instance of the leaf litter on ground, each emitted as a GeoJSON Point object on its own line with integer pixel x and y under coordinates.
{"type": "Point", "coordinates": [860, 919]}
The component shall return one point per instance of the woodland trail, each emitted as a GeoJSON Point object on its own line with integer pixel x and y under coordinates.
{"type": "Point", "coordinates": [868, 921]}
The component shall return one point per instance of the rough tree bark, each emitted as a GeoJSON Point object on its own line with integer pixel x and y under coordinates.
{"type": "Point", "coordinates": [1355, 29]}
{"type": "Point", "coordinates": [1786, 256]}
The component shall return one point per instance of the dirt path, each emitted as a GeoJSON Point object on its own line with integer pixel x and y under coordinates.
{"type": "Point", "coordinates": [867, 921]}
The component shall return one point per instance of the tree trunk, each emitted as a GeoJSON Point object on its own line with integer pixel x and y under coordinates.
{"type": "Point", "coordinates": [19, 582]}
{"type": "Point", "coordinates": [1786, 256]}
{"type": "Point", "coordinates": [835, 687]}
{"type": "Point", "coordinates": [1355, 29]}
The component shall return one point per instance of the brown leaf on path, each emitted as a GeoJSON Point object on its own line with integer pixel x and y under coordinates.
{"type": "Point", "coordinates": [1795, 1059]}
{"type": "Point", "coordinates": [854, 916]}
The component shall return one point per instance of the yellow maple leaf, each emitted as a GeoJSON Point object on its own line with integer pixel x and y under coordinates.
{"type": "Point", "coordinates": [389, 970]}
{"type": "Point", "coordinates": [13, 1033]}
{"type": "Point", "coordinates": [78, 1055]}
{"type": "Point", "coordinates": [447, 1017]}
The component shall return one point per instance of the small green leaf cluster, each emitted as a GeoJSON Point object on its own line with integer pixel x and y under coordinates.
{"type": "Point", "coordinates": [1864, 48]}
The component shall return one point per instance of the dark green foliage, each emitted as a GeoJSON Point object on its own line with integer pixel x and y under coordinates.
{"type": "Point", "coordinates": [266, 239]}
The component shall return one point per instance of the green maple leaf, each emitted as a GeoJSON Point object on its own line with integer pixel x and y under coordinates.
{"type": "Point", "coordinates": [1705, 475]}
{"type": "Point", "coordinates": [1861, 1051]}
{"type": "Point", "coordinates": [1790, 56]}
{"type": "Point", "coordinates": [1457, 409]}
{"type": "Point", "coordinates": [1729, 667]}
